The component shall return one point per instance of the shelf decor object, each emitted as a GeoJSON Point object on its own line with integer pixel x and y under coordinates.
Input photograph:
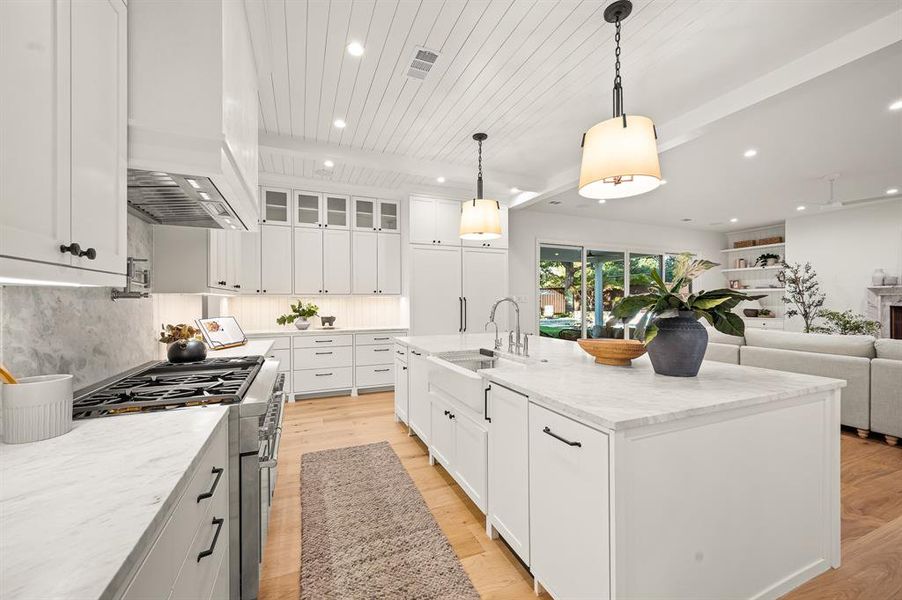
{"type": "Point", "coordinates": [620, 155]}
{"type": "Point", "coordinates": [184, 343]}
{"type": "Point", "coordinates": [612, 351]}
{"type": "Point", "coordinates": [480, 218]}
{"type": "Point", "coordinates": [299, 314]}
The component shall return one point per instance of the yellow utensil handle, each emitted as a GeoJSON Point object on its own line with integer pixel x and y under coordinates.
{"type": "Point", "coordinates": [6, 376]}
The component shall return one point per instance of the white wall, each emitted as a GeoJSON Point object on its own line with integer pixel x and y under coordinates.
{"type": "Point", "coordinates": [529, 226]}
{"type": "Point", "coordinates": [845, 247]}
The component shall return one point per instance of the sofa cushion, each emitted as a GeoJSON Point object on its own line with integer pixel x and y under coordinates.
{"type": "Point", "coordinates": [887, 348]}
{"type": "Point", "coordinates": [886, 396]}
{"type": "Point", "coordinates": [717, 337]}
{"type": "Point", "coordinates": [821, 343]}
{"type": "Point", "coordinates": [726, 353]}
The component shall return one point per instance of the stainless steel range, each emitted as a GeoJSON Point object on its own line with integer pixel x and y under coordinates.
{"type": "Point", "coordinates": [253, 387]}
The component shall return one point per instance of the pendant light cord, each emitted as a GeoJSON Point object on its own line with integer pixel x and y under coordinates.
{"type": "Point", "coordinates": [618, 88]}
{"type": "Point", "coordinates": [479, 174]}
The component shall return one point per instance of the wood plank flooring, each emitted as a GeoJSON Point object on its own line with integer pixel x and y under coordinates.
{"type": "Point", "coordinates": [871, 497]}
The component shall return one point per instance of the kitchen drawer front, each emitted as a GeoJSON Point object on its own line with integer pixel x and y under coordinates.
{"type": "Point", "coordinates": [401, 353]}
{"type": "Point", "coordinates": [209, 547]}
{"type": "Point", "coordinates": [375, 376]}
{"type": "Point", "coordinates": [283, 356]}
{"type": "Point", "coordinates": [319, 358]}
{"type": "Point", "coordinates": [384, 337]}
{"type": "Point", "coordinates": [158, 573]}
{"type": "Point", "coordinates": [374, 355]}
{"type": "Point", "coordinates": [323, 341]}
{"type": "Point", "coordinates": [314, 380]}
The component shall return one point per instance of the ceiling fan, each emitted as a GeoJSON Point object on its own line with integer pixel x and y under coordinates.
{"type": "Point", "coordinates": [834, 204]}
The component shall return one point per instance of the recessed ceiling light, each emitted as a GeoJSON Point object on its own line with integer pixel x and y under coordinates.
{"type": "Point", "coordinates": [897, 105]}
{"type": "Point", "coordinates": [602, 201]}
{"type": "Point", "coordinates": [734, 220]}
{"type": "Point", "coordinates": [515, 190]}
{"type": "Point", "coordinates": [892, 191]}
{"type": "Point", "coordinates": [355, 49]}
{"type": "Point", "coordinates": [328, 164]}
{"type": "Point", "coordinates": [440, 179]}
{"type": "Point", "coordinates": [340, 123]}
{"type": "Point", "coordinates": [750, 153]}
{"type": "Point", "coordinates": [800, 207]}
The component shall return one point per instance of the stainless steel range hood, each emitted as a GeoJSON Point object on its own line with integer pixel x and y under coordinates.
{"type": "Point", "coordinates": [174, 199]}
{"type": "Point", "coordinates": [192, 114]}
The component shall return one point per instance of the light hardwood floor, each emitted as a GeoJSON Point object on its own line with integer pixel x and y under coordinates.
{"type": "Point", "coordinates": [871, 496]}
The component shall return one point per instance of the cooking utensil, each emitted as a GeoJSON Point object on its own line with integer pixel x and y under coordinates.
{"type": "Point", "coordinates": [6, 376]}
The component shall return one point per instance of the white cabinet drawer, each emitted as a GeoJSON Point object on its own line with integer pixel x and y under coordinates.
{"type": "Point", "coordinates": [282, 342]}
{"type": "Point", "coordinates": [318, 358]}
{"type": "Point", "coordinates": [156, 576]}
{"type": "Point", "coordinates": [314, 380]}
{"type": "Point", "coordinates": [321, 341]}
{"type": "Point", "coordinates": [374, 355]}
{"type": "Point", "coordinates": [375, 376]}
{"type": "Point", "coordinates": [382, 337]}
{"type": "Point", "coordinates": [284, 358]}
{"type": "Point", "coordinates": [401, 353]}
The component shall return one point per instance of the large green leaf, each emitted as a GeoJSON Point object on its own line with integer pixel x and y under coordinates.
{"type": "Point", "coordinates": [630, 306]}
{"type": "Point", "coordinates": [650, 332]}
{"type": "Point", "coordinates": [656, 278]}
{"type": "Point", "coordinates": [729, 323]}
{"type": "Point", "coordinates": [706, 303]}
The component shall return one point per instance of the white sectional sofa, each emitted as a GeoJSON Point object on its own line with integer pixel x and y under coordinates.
{"type": "Point", "coordinates": [872, 398]}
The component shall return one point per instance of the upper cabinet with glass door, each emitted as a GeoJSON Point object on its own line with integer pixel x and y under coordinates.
{"type": "Point", "coordinates": [336, 214]}
{"type": "Point", "coordinates": [389, 216]}
{"type": "Point", "coordinates": [371, 214]}
{"type": "Point", "coordinates": [308, 209]}
{"type": "Point", "coordinates": [276, 206]}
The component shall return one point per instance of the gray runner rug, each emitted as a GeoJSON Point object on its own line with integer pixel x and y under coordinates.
{"type": "Point", "coordinates": [366, 531]}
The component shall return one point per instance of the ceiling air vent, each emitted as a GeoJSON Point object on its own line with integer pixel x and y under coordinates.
{"type": "Point", "coordinates": [422, 63]}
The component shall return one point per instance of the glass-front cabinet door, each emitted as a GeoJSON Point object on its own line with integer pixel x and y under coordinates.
{"type": "Point", "coordinates": [365, 214]}
{"type": "Point", "coordinates": [337, 215]}
{"type": "Point", "coordinates": [308, 209]}
{"type": "Point", "coordinates": [276, 206]}
{"type": "Point", "coordinates": [389, 219]}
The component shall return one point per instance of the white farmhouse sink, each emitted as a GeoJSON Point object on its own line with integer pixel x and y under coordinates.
{"type": "Point", "coordinates": [455, 374]}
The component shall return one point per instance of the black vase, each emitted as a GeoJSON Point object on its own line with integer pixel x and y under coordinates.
{"type": "Point", "coordinates": [186, 351]}
{"type": "Point", "coordinates": [679, 347]}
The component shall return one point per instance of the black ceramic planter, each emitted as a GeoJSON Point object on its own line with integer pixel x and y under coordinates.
{"type": "Point", "coordinates": [679, 347]}
{"type": "Point", "coordinates": [186, 351]}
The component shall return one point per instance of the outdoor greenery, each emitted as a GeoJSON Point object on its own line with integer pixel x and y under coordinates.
{"type": "Point", "coordinates": [803, 292]}
{"type": "Point", "coordinates": [847, 323]}
{"type": "Point", "coordinates": [667, 300]}
{"type": "Point", "coordinates": [298, 311]}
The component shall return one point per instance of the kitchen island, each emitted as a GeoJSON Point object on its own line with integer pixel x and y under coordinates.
{"type": "Point", "coordinates": [616, 482]}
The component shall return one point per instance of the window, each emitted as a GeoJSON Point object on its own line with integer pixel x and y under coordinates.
{"type": "Point", "coordinates": [604, 287]}
{"type": "Point", "coordinates": [560, 292]}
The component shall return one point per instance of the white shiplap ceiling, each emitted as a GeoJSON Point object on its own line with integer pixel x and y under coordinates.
{"type": "Point", "coordinates": [532, 74]}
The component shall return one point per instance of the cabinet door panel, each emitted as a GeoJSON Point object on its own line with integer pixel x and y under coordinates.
{"type": "Point", "coordinates": [422, 221]}
{"type": "Point", "coordinates": [389, 263]}
{"type": "Point", "coordinates": [484, 282]}
{"type": "Point", "coordinates": [276, 206]}
{"type": "Point", "coordinates": [275, 259]}
{"type": "Point", "coordinates": [418, 395]}
{"type": "Point", "coordinates": [34, 121]}
{"type": "Point", "coordinates": [447, 222]}
{"type": "Point", "coordinates": [308, 209]}
{"type": "Point", "coordinates": [217, 250]}
{"type": "Point", "coordinates": [435, 298]}
{"type": "Point", "coordinates": [308, 261]}
{"type": "Point", "coordinates": [365, 252]}
{"type": "Point", "coordinates": [401, 390]}
{"type": "Point", "coordinates": [336, 258]}
{"type": "Point", "coordinates": [470, 458]}
{"type": "Point", "coordinates": [441, 435]}
{"type": "Point", "coordinates": [364, 213]}
{"type": "Point", "coordinates": [233, 260]}
{"type": "Point", "coordinates": [336, 214]}
{"type": "Point", "coordinates": [98, 143]}
{"type": "Point", "coordinates": [569, 506]}
{"type": "Point", "coordinates": [389, 216]}
{"type": "Point", "coordinates": [249, 278]}
{"type": "Point", "coordinates": [509, 467]}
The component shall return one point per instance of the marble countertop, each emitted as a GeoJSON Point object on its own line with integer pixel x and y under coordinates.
{"type": "Point", "coordinates": [255, 347]}
{"type": "Point", "coordinates": [77, 511]}
{"type": "Point", "coordinates": [565, 379]}
{"type": "Point", "coordinates": [292, 330]}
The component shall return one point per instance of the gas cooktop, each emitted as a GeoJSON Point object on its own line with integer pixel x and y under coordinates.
{"type": "Point", "coordinates": [167, 385]}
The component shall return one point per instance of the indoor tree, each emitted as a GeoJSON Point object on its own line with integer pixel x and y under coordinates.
{"type": "Point", "coordinates": [803, 292]}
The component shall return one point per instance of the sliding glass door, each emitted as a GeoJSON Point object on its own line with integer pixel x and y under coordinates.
{"type": "Point", "coordinates": [604, 287]}
{"type": "Point", "coordinates": [561, 292]}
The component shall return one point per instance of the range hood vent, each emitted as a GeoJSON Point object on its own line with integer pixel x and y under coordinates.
{"type": "Point", "coordinates": [173, 199]}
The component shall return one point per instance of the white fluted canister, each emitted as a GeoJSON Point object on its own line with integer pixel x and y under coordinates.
{"type": "Point", "coordinates": [37, 408]}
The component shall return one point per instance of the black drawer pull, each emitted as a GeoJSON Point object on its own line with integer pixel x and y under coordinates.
{"type": "Point", "coordinates": [323, 341]}
{"type": "Point", "coordinates": [323, 374]}
{"type": "Point", "coordinates": [381, 349]}
{"type": "Point", "coordinates": [321, 353]}
{"type": "Point", "coordinates": [382, 370]}
{"type": "Point", "coordinates": [565, 440]}
{"type": "Point", "coordinates": [415, 353]}
{"type": "Point", "coordinates": [218, 472]}
{"type": "Point", "coordinates": [209, 551]}
{"type": "Point", "coordinates": [485, 405]}
{"type": "Point", "coordinates": [380, 339]}
{"type": "Point", "coordinates": [447, 412]}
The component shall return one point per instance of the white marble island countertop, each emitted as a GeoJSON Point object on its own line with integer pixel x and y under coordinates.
{"type": "Point", "coordinates": [255, 347]}
{"type": "Point", "coordinates": [563, 378]}
{"type": "Point", "coordinates": [77, 511]}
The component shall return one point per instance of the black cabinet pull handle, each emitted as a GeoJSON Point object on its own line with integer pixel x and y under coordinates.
{"type": "Point", "coordinates": [382, 370]}
{"type": "Point", "coordinates": [90, 253]}
{"type": "Point", "coordinates": [486, 405]}
{"type": "Point", "coordinates": [451, 416]}
{"type": "Point", "coordinates": [381, 349]}
{"type": "Point", "coordinates": [403, 368]}
{"type": "Point", "coordinates": [323, 374]}
{"type": "Point", "coordinates": [323, 341]}
{"type": "Point", "coordinates": [460, 302]}
{"type": "Point", "coordinates": [320, 353]}
{"type": "Point", "coordinates": [381, 338]}
{"type": "Point", "coordinates": [447, 412]}
{"type": "Point", "coordinates": [218, 472]}
{"type": "Point", "coordinates": [465, 313]}
{"type": "Point", "coordinates": [74, 249]}
{"type": "Point", "coordinates": [415, 353]}
{"type": "Point", "coordinates": [218, 522]}
{"type": "Point", "coordinates": [557, 437]}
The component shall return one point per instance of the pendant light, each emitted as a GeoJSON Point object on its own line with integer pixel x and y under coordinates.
{"type": "Point", "coordinates": [620, 155]}
{"type": "Point", "coordinates": [480, 219]}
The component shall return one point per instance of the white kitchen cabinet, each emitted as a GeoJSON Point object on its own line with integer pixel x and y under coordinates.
{"type": "Point", "coordinates": [508, 467]}
{"type": "Point", "coordinates": [365, 213]}
{"type": "Point", "coordinates": [434, 221]}
{"type": "Point", "coordinates": [401, 390]}
{"type": "Point", "coordinates": [308, 209]}
{"type": "Point", "coordinates": [308, 261]}
{"type": "Point", "coordinates": [388, 263]}
{"type": "Point", "coordinates": [389, 216]}
{"type": "Point", "coordinates": [441, 434]}
{"type": "Point", "coordinates": [469, 466]}
{"type": "Point", "coordinates": [365, 260]}
{"type": "Point", "coordinates": [336, 212]}
{"type": "Point", "coordinates": [484, 280]}
{"type": "Point", "coordinates": [63, 118]}
{"type": "Point", "coordinates": [277, 206]}
{"type": "Point", "coordinates": [194, 260]}
{"type": "Point", "coordinates": [501, 242]}
{"type": "Point", "coordinates": [276, 255]}
{"type": "Point", "coordinates": [569, 506]}
{"type": "Point", "coordinates": [436, 302]}
{"type": "Point", "coordinates": [249, 262]}
{"type": "Point", "coordinates": [418, 404]}
{"type": "Point", "coordinates": [336, 261]}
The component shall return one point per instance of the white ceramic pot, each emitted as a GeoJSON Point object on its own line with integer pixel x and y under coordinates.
{"type": "Point", "coordinates": [301, 323]}
{"type": "Point", "coordinates": [37, 408]}
{"type": "Point", "coordinates": [877, 277]}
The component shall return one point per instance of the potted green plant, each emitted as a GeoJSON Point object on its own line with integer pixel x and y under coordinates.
{"type": "Point", "coordinates": [766, 313]}
{"type": "Point", "coordinates": [184, 343]}
{"type": "Point", "coordinates": [299, 314]}
{"type": "Point", "coordinates": [767, 260]}
{"type": "Point", "coordinates": [669, 326]}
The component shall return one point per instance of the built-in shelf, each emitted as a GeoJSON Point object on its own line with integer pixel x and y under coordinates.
{"type": "Point", "coordinates": [768, 290]}
{"type": "Point", "coordinates": [746, 269]}
{"type": "Point", "coordinates": [752, 248]}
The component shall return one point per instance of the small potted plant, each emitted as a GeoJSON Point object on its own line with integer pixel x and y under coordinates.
{"type": "Point", "coordinates": [669, 327]}
{"type": "Point", "coordinates": [299, 314]}
{"type": "Point", "coordinates": [185, 343]}
{"type": "Point", "coordinates": [766, 313]}
{"type": "Point", "coordinates": [767, 260]}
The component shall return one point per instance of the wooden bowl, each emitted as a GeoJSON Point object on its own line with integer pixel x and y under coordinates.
{"type": "Point", "coordinates": [614, 352]}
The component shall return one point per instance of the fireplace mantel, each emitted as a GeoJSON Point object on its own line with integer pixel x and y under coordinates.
{"type": "Point", "coordinates": [880, 299]}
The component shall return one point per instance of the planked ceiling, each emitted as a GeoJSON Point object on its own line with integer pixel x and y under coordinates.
{"type": "Point", "coordinates": [533, 74]}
